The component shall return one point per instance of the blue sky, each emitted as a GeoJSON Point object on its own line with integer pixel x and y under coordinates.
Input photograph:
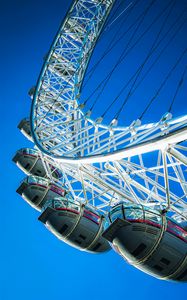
{"type": "Point", "coordinates": [34, 264]}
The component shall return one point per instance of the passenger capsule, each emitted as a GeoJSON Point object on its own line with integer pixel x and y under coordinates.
{"type": "Point", "coordinates": [30, 162]}
{"type": "Point", "coordinates": [77, 225]}
{"type": "Point", "coordinates": [31, 92]}
{"type": "Point", "coordinates": [37, 190]}
{"type": "Point", "coordinates": [25, 128]}
{"type": "Point", "coordinates": [148, 240]}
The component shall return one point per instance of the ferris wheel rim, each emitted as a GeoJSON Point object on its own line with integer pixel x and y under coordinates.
{"type": "Point", "coordinates": [160, 143]}
{"type": "Point", "coordinates": [112, 154]}
{"type": "Point", "coordinates": [44, 69]}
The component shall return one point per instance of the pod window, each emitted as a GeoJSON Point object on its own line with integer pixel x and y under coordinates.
{"type": "Point", "coordinates": [78, 242]}
{"type": "Point", "coordinates": [35, 198]}
{"type": "Point", "coordinates": [27, 166]}
{"type": "Point", "coordinates": [181, 276]}
{"type": "Point", "coordinates": [165, 261]}
{"type": "Point", "coordinates": [158, 268]}
{"type": "Point", "coordinates": [96, 247]}
{"type": "Point", "coordinates": [82, 236]}
{"type": "Point", "coordinates": [64, 227]}
{"type": "Point", "coordinates": [139, 249]}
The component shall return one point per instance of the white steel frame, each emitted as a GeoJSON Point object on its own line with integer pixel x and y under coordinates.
{"type": "Point", "coordinates": [103, 165]}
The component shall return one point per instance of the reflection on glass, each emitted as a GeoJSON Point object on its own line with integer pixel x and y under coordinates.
{"type": "Point", "coordinates": [176, 230]}
{"type": "Point", "coordinates": [42, 181]}
{"type": "Point", "coordinates": [28, 151]}
{"type": "Point", "coordinates": [116, 212]}
{"type": "Point", "coordinates": [133, 214]}
{"type": "Point", "coordinates": [37, 180]}
{"type": "Point", "coordinates": [153, 217]}
{"type": "Point", "coordinates": [91, 214]}
{"type": "Point", "coordinates": [62, 203]}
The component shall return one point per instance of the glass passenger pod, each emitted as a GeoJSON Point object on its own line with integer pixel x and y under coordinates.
{"type": "Point", "coordinates": [37, 190]}
{"type": "Point", "coordinates": [150, 241]}
{"type": "Point", "coordinates": [144, 215]}
{"type": "Point", "coordinates": [25, 128]}
{"type": "Point", "coordinates": [74, 223]}
{"type": "Point", "coordinates": [31, 92]}
{"type": "Point", "coordinates": [176, 230]}
{"type": "Point", "coordinates": [29, 161]}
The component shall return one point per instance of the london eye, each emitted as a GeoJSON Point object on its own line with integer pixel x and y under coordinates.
{"type": "Point", "coordinates": [99, 186]}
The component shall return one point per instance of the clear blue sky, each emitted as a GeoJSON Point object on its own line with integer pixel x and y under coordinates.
{"type": "Point", "coordinates": [34, 264]}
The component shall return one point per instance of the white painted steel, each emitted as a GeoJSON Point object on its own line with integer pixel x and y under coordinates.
{"type": "Point", "coordinates": [102, 165]}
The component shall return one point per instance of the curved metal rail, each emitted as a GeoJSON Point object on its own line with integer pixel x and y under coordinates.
{"type": "Point", "coordinates": [55, 115]}
{"type": "Point", "coordinates": [59, 127]}
{"type": "Point", "coordinates": [102, 165]}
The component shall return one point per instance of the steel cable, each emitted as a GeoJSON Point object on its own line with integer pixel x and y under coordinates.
{"type": "Point", "coordinates": [163, 83]}
{"type": "Point", "coordinates": [152, 65]}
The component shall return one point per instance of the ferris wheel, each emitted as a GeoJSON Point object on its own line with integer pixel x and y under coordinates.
{"type": "Point", "coordinates": [99, 185]}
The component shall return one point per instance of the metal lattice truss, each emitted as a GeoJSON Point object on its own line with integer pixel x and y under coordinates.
{"type": "Point", "coordinates": [59, 126]}
{"type": "Point", "coordinates": [56, 117]}
{"type": "Point", "coordinates": [156, 179]}
{"type": "Point", "coordinates": [101, 164]}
